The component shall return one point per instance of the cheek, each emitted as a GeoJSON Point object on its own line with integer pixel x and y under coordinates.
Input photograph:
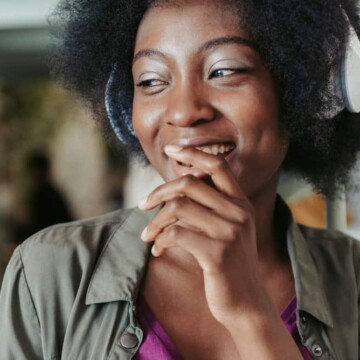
{"type": "Point", "coordinates": [254, 117]}
{"type": "Point", "coordinates": [256, 121]}
{"type": "Point", "coordinates": [144, 121]}
{"type": "Point", "coordinates": [146, 124]}
{"type": "Point", "coordinates": [265, 106]}
{"type": "Point", "coordinates": [255, 106]}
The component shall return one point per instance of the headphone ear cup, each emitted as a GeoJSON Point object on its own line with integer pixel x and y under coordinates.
{"type": "Point", "coordinates": [118, 107]}
{"type": "Point", "coordinates": [350, 74]}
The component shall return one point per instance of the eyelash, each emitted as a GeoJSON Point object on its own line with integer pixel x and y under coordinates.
{"type": "Point", "coordinates": [148, 83]}
{"type": "Point", "coordinates": [233, 71]}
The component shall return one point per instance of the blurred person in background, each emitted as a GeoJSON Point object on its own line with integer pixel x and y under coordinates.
{"type": "Point", "coordinates": [42, 205]}
{"type": "Point", "coordinates": [45, 204]}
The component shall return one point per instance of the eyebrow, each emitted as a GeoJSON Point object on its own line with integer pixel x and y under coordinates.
{"type": "Point", "coordinates": [147, 53]}
{"type": "Point", "coordinates": [209, 45]}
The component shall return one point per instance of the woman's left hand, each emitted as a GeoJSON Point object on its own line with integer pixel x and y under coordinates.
{"type": "Point", "coordinates": [217, 226]}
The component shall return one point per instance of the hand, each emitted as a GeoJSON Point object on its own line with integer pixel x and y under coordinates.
{"type": "Point", "coordinates": [216, 225]}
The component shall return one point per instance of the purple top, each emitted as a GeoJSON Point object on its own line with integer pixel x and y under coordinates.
{"type": "Point", "coordinates": [288, 316]}
{"type": "Point", "coordinates": [158, 345]}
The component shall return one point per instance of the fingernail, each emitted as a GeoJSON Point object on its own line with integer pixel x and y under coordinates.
{"type": "Point", "coordinates": [153, 251]}
{"type": "Point", "coordinates": [172, 148]}
{"type": "Point", "coordinates": [144, 233]}
{"type": "Point", "coordinates": [142, 203]}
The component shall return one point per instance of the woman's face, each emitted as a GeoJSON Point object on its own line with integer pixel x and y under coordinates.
{"type": "Point", "coordinates": [200, 83]}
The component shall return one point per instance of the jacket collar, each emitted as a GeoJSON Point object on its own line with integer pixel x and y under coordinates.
{"type": "Point", "coordinates": [122, 263]}
{"type": "Point", "coordinates": [308, 282]}
{"type": "Point", "coordinates": [118, 278]}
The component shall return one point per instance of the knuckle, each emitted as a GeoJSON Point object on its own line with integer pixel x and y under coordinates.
{"type": "Point", "coordinates": [244, 215]}
{"type": "Point", "coordinates": [176, 204]}
{"type": "Point", "coordinates": [187, 181]}
{"type": "Point", "coordinates": [241, 216]}
{"type": "Point", "coordinates": [173, 231]}
{"type": "Point", "coordinates": [231, 232]}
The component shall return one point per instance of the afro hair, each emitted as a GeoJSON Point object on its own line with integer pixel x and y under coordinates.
{"type": "Point", "coordinates": [302, 43]}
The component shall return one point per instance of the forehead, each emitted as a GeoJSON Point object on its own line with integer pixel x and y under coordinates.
{"type": "Point", "coordinates": [189, 21]}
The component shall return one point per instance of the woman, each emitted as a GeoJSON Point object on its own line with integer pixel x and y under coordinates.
{"type": "Point", "coordinates": [221, 96]}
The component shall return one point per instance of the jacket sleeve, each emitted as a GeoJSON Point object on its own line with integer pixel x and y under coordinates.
{"type": "Point", "coordinates": [20, 336]}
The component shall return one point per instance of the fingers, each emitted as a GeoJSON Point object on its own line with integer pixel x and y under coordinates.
{"type": "Point", "coordinates": [199, 192]}
{"type": "Point", "coordinates": [193, 209]}
{"type": "Point", "coordinates": [215, 166]}
{"type": "Point", "coordinates": [199, 222]}
{"type": "Point", "coordinates": [208, 252]}
{"type": "Point", "coordinates": [191, 215]}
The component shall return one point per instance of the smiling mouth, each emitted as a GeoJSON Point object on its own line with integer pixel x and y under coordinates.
{"type": "Point", "coordinates": [221, 150]}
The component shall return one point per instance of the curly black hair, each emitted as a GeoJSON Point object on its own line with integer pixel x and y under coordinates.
{"type": "Point", "coordinates": [301, 41]}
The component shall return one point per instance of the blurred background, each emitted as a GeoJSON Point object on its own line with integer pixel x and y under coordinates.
{"type": "Point", "coordinates": [56, 164]}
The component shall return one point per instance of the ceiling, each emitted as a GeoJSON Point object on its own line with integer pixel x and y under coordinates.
{"type": "Point", "coordinates": [24, 13]}
{"type": "Point", "coordinates": [24, 38]}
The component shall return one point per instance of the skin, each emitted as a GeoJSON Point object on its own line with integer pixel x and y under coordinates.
{"type": "Point", "coordinates": [216, 251]}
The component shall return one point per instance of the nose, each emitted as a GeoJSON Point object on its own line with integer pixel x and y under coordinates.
{"type": "Point", "coordinates": [188, 106]}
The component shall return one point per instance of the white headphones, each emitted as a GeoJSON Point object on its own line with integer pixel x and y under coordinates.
{"type": "Point", "coordinates": [350, 74]}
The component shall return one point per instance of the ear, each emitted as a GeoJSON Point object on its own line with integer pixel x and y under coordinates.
{"type": "Point", "coordinates": [118, 106]}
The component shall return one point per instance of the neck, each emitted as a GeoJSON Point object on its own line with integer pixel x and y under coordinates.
{"type": "Point", "coordinates": [266, 234]}
{"type": "Point", "coordinates": [273, 258]}
{"type": "Point", "coordinates": [271, 238]}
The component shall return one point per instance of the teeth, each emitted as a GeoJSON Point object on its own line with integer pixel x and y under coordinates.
{"type": "Point", "coordinates": [206, 149]}
{"type": "Point", "coordinates": [217, 149]}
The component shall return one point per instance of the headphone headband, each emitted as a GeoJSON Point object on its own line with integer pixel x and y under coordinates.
{"type": "Point", "coordinates": [350, 73]}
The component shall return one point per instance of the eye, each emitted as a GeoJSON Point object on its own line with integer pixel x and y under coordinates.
{"type": "Point", "coordinates": [151, 86]}
{"type": "Point", "coordinates": [219, 73]}
{"type": "Point", "coordinates": [151, 83]}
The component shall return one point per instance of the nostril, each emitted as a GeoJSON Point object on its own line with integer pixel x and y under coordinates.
{"type": "Point", "coordinates": [191, 113]}
{"type": "Point", "coordinates": [190, 124]}
{"type": "Point", "coordinates": [183, 164]}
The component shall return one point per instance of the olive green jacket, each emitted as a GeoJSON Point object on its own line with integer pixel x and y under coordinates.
{"type": "Point", "coordinates": [69, 291]}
